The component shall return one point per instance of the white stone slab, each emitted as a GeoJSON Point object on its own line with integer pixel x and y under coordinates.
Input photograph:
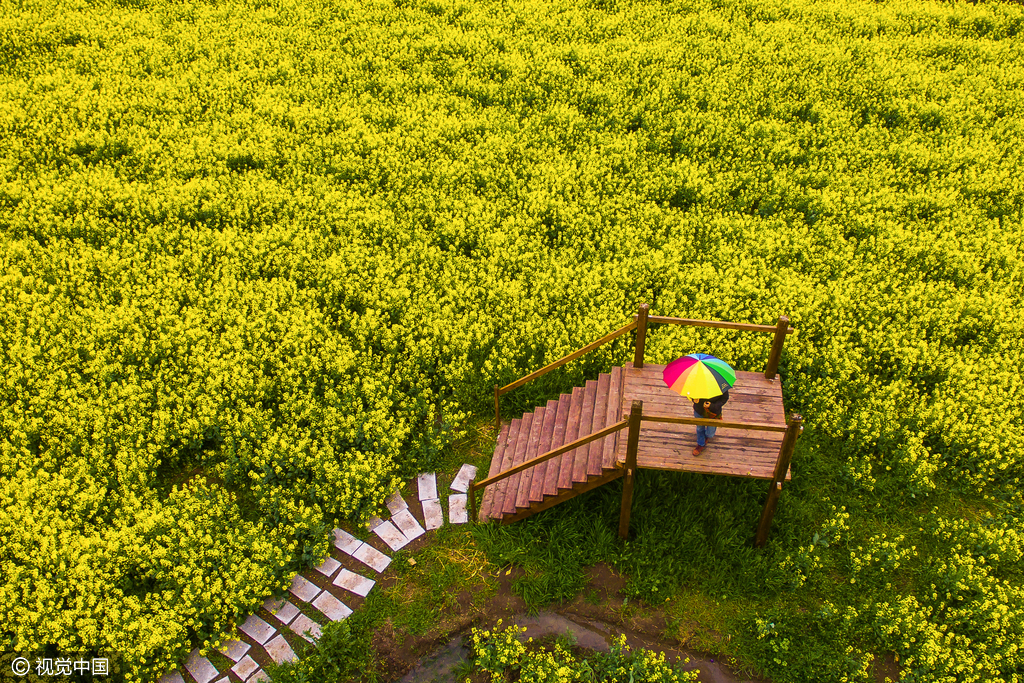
{"type": "Point", "coordinates": [223, 679]}
{"type": "Point", "coordinates": [234, 649]}
{"type": "Point", "coordinates": [329, 566]}
{"type": "Point", "coordinates": [427, 483]}
{"type": "Point", "coordinates": [462, 479]}
{"type": "Point", "coordinates": [280, 651]}
{"type": "Point", "coordinates": [259, 677]}
{"type": "Point", "coordinates": [286, 612]}
{"type": "Point", "coordinates": [390, 534]}
{"type": "Point", "coordinates": [372, 557]}
{"type": "Point", "coordinates": [303, 588]}
{"type": "Point", "coordinates": [200, 667]}
{"type": "Point", "coordinates": [433, 515]}
{"type": "Point", "coordinates": [395, 502]}
{"type": "Point", "coordinates": [257, 629]}
{"type": "Point", "coordinates": [408, 525]}
{"type": "Point", "coordinates": [332, 607]}
{"type": "Point", "coordinates": [302, 624]}
{"type": "Point", "coordinates": [457, 513]}
{"type": "Point", "coordinates": [346, 542]}
{"type": "Point", "coordinates": [245, 667]}
{"type": "Point", "coordinates": [374, 522]}
{"type": "Point", "coordinates": [350, 581]}
{"type": "Point", "coordinates": [171, 677]}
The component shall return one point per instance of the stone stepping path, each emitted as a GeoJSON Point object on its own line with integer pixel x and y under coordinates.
{"type": "Point", "coordinates": [390, 534]}
{"type": "Point", "coordinates": [323, 590]}
{"type": "Point", "coordinates": [457, 513]}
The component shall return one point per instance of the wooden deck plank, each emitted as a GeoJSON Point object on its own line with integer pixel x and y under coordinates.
{"type": "Point", "coordinates": [600, 415]}
{"type": "Point", "coordinates": [613, 415]}
{"type": "Point", "coordinates": [740, 389]}
{"type": "Point", "coordinates": [665, 430]}
{"type": "Point", "coordinates": [661, 406]}
{"type": "Point", "coordinates": [751, 470]}
{"type": "Point", "coordinates": [655, 395]}
{"type": "Point", "coordinates": [532, 451]}
{"type": "Point", "coordinates": [537, 486]}
{"type": "Point", "coordinates": [729, 414]}
{"type": "Point", "coordinates": [581, 455]}
{"type": "Point", "coordinates": [508, 500]}
{"type": "Point", "coordinates": [499, 449]}
{"type": "Point", "coordinates": [685, 442]}
{"type": "Point", "coordinates": [506, 462]}
{"type": "Point", "coordinates": [653, 374]}
{"type": "Point", "coordinates": [557, 441]}
{"type": "Point", "coordinates": [572, 430]}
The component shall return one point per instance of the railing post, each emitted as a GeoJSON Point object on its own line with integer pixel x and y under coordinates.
{"type": "Point", "coordinates": [641, 336]}
{"type": "Point", "coordinates": [632, 443]}
{"type": "Point", "coordinates": [776, 353]}
{"type": "Point", "coordinates": [794, 426]}
{"type": "Point", "coordinates": [497, 409]}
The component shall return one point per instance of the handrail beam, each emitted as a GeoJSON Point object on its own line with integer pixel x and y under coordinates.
{"type": "Point", "coordinates": [552, 454]}
{"type": "Point", "coordinates": [746, 327]}
{"type": "Point", "coordinates": [572, 356]}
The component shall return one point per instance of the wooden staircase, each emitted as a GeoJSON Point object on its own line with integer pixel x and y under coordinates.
{"type": "Point", "coordinates": [586, 438]}
{"type": "Point", "coordinates": [585, 411]}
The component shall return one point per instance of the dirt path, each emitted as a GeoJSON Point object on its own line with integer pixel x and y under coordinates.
{"type": "Point", "coordinates": [595, 623]}
{"type": "Point", "coordinates": [439, 666]}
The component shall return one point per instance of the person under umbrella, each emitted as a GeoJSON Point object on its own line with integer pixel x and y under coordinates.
{"type": "Point", "coordinates": [700, 375]}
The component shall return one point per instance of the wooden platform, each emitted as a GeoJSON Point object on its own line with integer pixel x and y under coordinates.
{"type": "Point", "coordinates": [734, 452]}
{"type": "Point", "coordinates": [662, 446]}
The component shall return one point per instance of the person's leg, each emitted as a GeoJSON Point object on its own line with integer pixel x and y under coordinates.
{"type": "Point", "coordinates": [709, 432]}
{"type": "Point", "coordinates": [701, 434]}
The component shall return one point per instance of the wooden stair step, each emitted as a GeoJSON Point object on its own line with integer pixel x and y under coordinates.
{"type": "Point", "coordinates": [536, 492]}
{"type": "Point", "coordinates": [614, 415]}
{"type": "Point", "coordinates": [499, 450]}
{"type": "Point", "coordinates": [557, 441]}
{"type": "Point", "coordinates": [508, 495]}
{"type": "Point", "coordinates": [572, 430]}
{"type": "Point", "coordinates": [582, 454]}
{"type": "Point", "coordinates": [506, 462]}
{"type": "Point", "coordinates": [517, 481]}
{"type": "Point", "coordinates": [596, 450]}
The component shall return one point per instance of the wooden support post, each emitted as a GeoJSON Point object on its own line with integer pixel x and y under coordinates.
{"type": "Point", "coordinates": [497, 409]}
{"type": "Point", "coordinates": [794, 426]}
{"type": "Point", "coordinates": [641, 336]}
{"type": "Point", "coordinates": [632, 443]}
{"type": "Point", "coordinates": [472, 501]}
{"type": "Point", "coordinates": [767, 513]}
{"type": "Point", "coordinates": [776, 353]}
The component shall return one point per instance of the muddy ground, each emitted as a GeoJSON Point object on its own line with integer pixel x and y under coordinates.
{"type": "Point", "coordinates": [596, 616]}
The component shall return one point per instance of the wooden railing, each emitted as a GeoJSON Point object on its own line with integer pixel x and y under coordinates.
{"type": "Point", "coordinates": [758, 426]}
{"type": "Point", "coordinates": [640, 323]}
{"type": "Point", "coordinates": [500, 391]}
{"type": "Point", "coordinates": [781, 329]}
{"type": "Point", "coordinates": [539, 459]}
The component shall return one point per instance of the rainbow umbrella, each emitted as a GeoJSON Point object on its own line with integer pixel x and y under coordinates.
{"type": "Point", "coordinates": [699, 375]}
